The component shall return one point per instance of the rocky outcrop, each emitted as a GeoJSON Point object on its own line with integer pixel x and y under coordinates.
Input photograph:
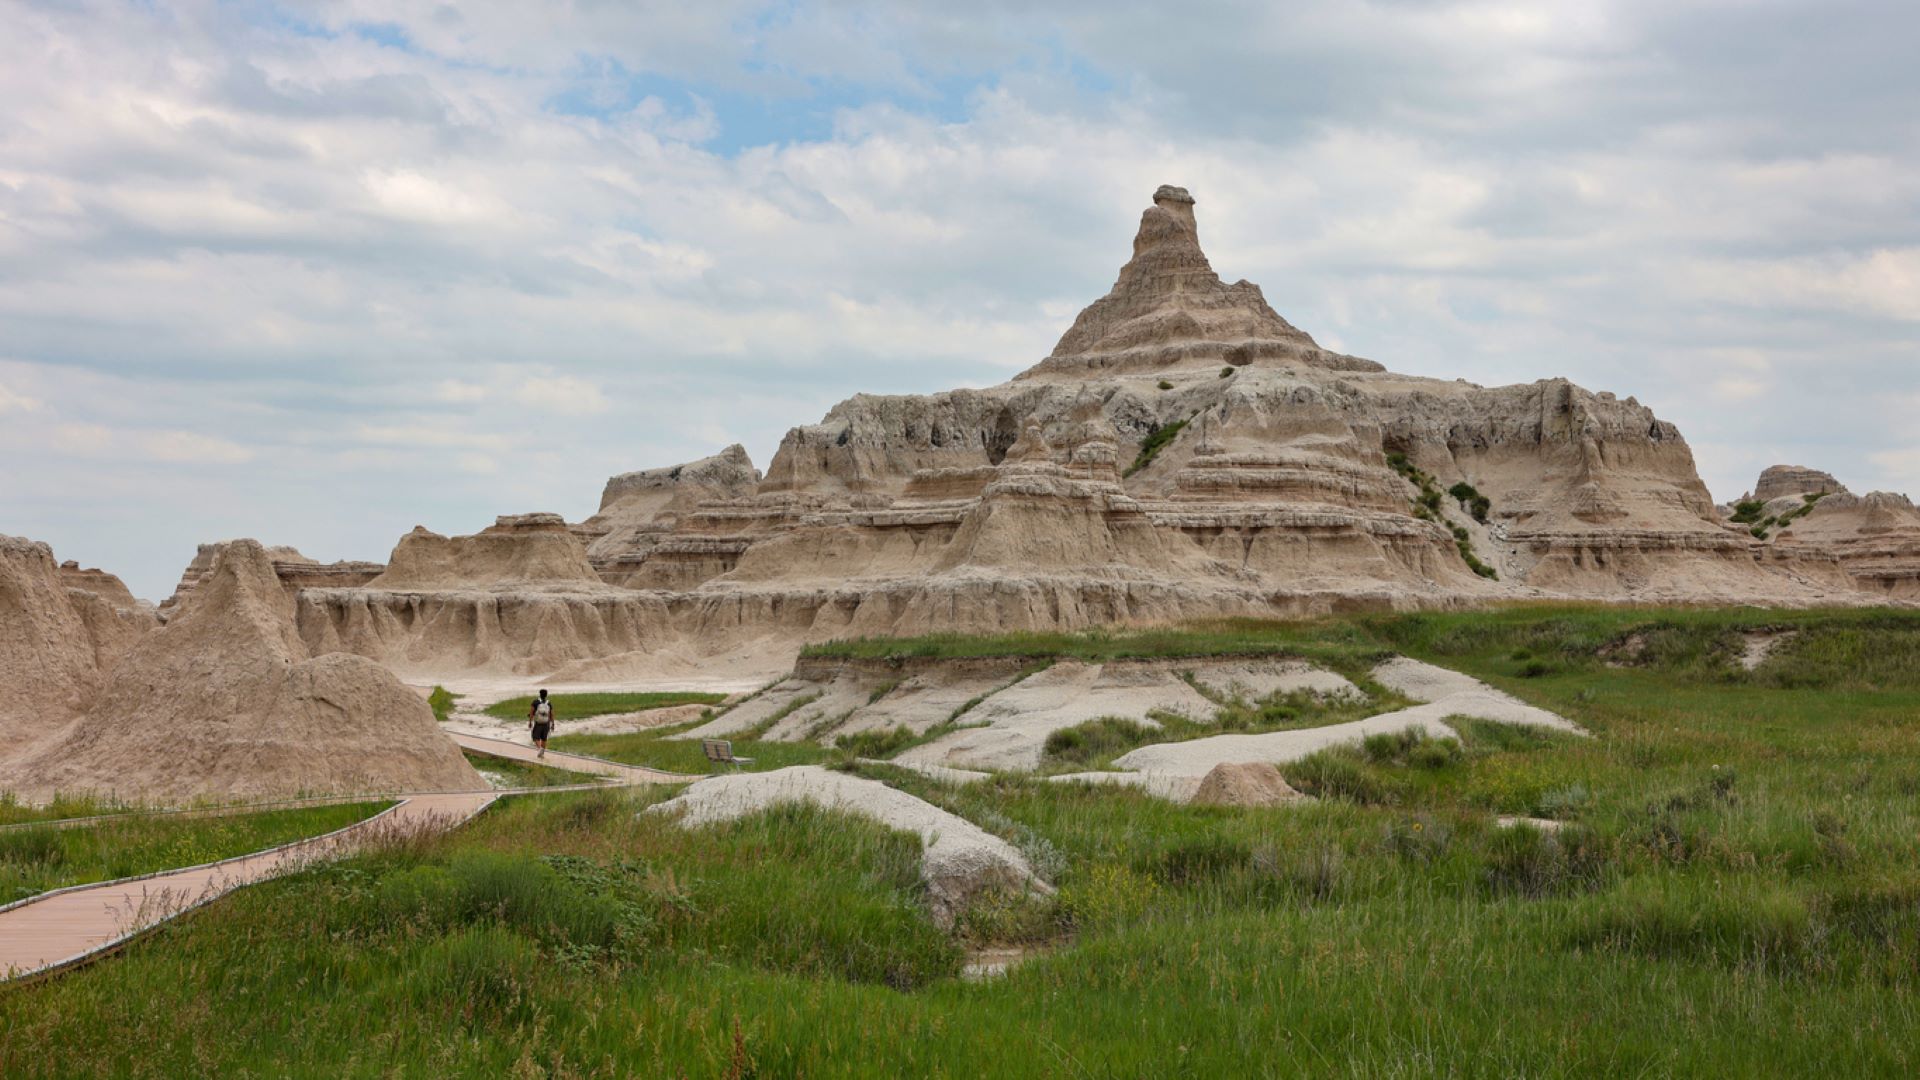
{"type": "Point", "coordinates": [517, 551]}
{"type": "Point", "coordinates": [49, 669]}
{"type": "Point", "coordinates": [1169, 309]}
{"type": "Point", "coordinates": [1875, 538]}
{"type": "Point", "coordinates": [296, 572]}
{"type": "Point", "coordinates": [226, 701]}
{"type": "Point", "coordinates": [1786, 481]}
{"type": "Point", "coordinates": [639, 509]}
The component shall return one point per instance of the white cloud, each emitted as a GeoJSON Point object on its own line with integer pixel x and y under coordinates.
{"type": "Point", "coordinates": [560, 396]}
{"type": "Point", "coordinates": [457, 392]}
{"type": "Point", "coordinates": [192, 448]}
{"type": "Point", "coordinates": [17, 402]}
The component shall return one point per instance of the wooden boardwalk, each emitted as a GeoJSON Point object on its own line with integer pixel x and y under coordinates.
{"type": "Point", "coordinates": [580, 763]}
{"type": "Point", "coordinates": [56, 930]}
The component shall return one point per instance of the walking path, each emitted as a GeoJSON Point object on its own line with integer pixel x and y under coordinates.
{"type": "Point", "coordinates": [56, 930]}
{"type": "Point", "coordinates": [613, 770]}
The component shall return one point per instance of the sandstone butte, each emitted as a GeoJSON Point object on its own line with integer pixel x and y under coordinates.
{"type": "Point", "coordinates": [1184, 452]}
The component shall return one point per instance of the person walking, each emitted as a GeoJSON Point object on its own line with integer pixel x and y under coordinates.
{"type": "Point", "coordinates": [540, 721]}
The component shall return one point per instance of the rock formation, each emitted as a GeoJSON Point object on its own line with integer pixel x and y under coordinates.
{"type": "Point", "coordinates": [516, 552]}
{"type": "Point", "coordinates": [1183, 452]}
{"type": "Point", "coordinates": [226, 701]}
{"type": "Point", "coordinates": [1783, 481]}
{"type": "Point", "coordinates": [296, 572]}
{"type": "Point", "coordinates": [639, 509]}
{"type": "Point", "coordinates": [61, 627]}
{"type": "Point", "coordinates": [1875, 538]}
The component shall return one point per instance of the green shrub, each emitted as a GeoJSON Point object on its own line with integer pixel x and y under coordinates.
{"type": "Point", "coordinates": [1085, 743]}
{"type": "Point", "coordinates": [1528, 861]}
{"type": "Point", "coordinates": [1204, 858]}
{"type": "Point", "coordinates": [1419, 839]}
{"type": "Point", "coordinates": [441, 702]}
{"type": "Point", "coordinates": [1331, 774]}
{"type": "Point", "coordinates": [1738, 924]}
{"type": "Point", "coordinates": [1165, 385]}
{"type": "Point", "coordinates": [1226, 372]}
{"type": "Point", "coordinates": [876, 742]}
{"type": "Point", "coordinates": [1157, 440]}
{"type": "Point", "coordinates": [1107, 893]}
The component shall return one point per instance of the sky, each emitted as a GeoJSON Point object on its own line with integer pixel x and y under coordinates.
{"type": "Point", "coordinates": [320, 272]}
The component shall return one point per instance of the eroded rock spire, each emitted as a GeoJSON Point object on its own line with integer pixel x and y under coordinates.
{"type": "Point", "coordinates": [1169, 308]}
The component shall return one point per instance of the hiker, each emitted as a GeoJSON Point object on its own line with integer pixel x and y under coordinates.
{"type": "Point", "coordinates": [540, 721]}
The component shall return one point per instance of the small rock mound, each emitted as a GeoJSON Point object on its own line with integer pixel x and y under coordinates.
{"type": "Point", "coordinates": [226, 702]}
{"type": "Point", "coordinates": [1245, 784]}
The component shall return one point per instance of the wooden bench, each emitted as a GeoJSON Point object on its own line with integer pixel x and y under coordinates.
{"type": "Point", "coordinates": [720, 752]}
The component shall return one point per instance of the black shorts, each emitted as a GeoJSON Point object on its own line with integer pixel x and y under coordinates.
{"type": "Point", "coordinates": [540, 732]}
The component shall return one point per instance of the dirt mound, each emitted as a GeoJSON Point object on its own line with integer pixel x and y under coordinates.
{"type": "Point", "coordinates": [1245, 784]}
{"type": "Point", "coordinates": [225, 701]}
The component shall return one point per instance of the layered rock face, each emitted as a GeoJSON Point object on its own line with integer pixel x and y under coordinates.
{"type": "Point", "coordinates": [1874, 539]}
{"type": "Point", "coordinates": [639, 509]}
{"type": "Point", "coordinates": [516, 552]}
{"type": "Point", "coordinates": [61, 628]}
{"type": "Point", "coordinates": [1184, 452]}
{"type": "Point", "coordinates": [296, 572]}
{"type": "Point", "coordinates": [1169, 308]}
{"type": "Point", "coordinates": [225, 700]}
{"type": "Point", "coordinates": [1784, 481]}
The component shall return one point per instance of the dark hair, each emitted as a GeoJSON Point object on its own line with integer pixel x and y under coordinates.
{"type": "Point", "coordinates": [543, 693]}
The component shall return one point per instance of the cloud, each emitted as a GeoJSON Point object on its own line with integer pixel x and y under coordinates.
{"type": "Point", "coordinates": [16, 402]}
{"type": "Point", "coordinates": [561, 396]}
{"type": "Point", "coordinates": [457, 392]}
{"type": "Point", "coordinates": [191, 448]}
{"type": "Point", "coordinates": [362, 257]}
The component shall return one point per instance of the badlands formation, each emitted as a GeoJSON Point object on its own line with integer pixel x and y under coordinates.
{"type": "Point", "coordinates": [224, 701]}
{"type": "Point", "coordinates": [1185, 452]}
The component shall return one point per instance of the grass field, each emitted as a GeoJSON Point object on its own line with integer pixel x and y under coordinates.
{"type": "Point", "coordinates": [34, 860]}
{"type": "Point", "coordinates": [519, 774]}
{"type": "Point", "coordinates": [16, 813]}
{"type": "Point", "coordinates": [581, 706]}
{"type": "Point", "coordinates": [665, 748]}
{"type": "Point", "coordinates": [1733, 890]}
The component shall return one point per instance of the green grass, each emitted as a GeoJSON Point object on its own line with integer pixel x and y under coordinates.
{"type": "Point", "coordinates": [662, 750]}
{"type": "Point", "coordinates": [441, 701]}
{"type": "Point", "coordinates": [1157, 440]}
{"type": "Point", "coordinates": [13, 812]}
{"type": "Point", "coordinates": [581, 706]}
{"type": "Point", "coordinates": [1735, 891]}
{"type": "Point", "coordinates": [1345, 649]}
{"type": "Point", "coordinates": [34, 860]}
{"type": "Point", "coordinates": [519, 774]}
{"type": "Point", "coordinates": [1094, 745]}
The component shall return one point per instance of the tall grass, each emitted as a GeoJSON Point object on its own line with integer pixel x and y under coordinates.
{"type": "Point", "coordinates": [35, 860]}
{"type": "Point", "coordinates": [582, 706]}
{"type": "Point", "coordinates": [1732, 891]}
